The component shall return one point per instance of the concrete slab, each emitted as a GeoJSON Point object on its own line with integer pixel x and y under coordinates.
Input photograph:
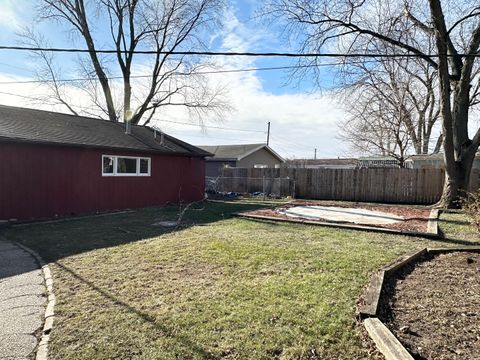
{"type": "Point", "coordinates": [34, 277]}
{"type": "Point", "coordinates": [22, 319]}
{"type": "Point", "coordinates": [22, 302]}
{"type": "Point", "coordinates": [25, 300]}
{"type": "Point", "coordinates": [339, 214]}
{"type": "Point", "coordinates": [23, 290]}
{"type": "Point", "coordinates": [21, 345]}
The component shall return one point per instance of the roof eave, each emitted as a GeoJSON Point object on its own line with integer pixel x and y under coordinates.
{"type": "Point", "coordinates": [86, 146]}
{"type": "Point", "coordinates": [268, 148]}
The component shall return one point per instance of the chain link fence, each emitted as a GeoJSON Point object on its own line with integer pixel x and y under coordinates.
{"type": "Point", "coordinates": [267, 186]}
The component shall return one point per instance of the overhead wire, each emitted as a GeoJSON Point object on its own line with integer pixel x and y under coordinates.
{"type": "Point", "coordinates": [18, 95]}
{"type": "Point", "coordinates": [225, 71]}
{"type": "Point", "coordinates": [209, 53]}
{"type": "Point", "coordinates": [209, 126]}
{"type": "Point", "coordinates": [217, 138]}
{"type": "Point", "coordinates": [229, 53]}
{"type": "Point", "coordinates": [161, 120]}
{"type": "Point", "coordinates": [289, 143]}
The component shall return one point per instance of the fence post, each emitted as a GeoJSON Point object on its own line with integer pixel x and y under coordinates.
{"type": "Point", "coordinates": [263, 187]}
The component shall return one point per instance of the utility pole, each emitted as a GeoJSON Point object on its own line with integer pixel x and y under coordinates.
{"type": "Point", "coordinates": [315, 156]}
{"type": "Point", "coordinates": [268, 133]}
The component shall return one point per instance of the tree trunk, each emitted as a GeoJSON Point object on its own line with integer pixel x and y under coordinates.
{"type": "Point", "coordinates": [127, 95]}
{"type": "Point", "coordinates": [457, 183]}
{"type": "Point", "coordinates": [438, 145]}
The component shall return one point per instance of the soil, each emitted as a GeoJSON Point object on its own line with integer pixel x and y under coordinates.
{"type": "Point", "coordinates": [416, 220]}
{"type": "Point", "coordinates": [435, 309]}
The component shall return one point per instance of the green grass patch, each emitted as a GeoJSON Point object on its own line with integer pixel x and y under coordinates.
{"type": "Point", "coordinates": [220, 288]}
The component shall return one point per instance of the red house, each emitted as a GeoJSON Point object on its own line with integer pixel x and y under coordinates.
{"type": "Point", "coordinates": [54, 164]}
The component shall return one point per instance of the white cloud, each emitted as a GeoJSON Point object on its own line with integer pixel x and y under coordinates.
{"type": "Point", "coordinates": [11, 11]}
{"type": "Point", "coordinates": [300, 122]}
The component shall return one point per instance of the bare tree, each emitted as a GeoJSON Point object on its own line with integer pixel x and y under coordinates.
{"type": "Point", "coordinates": [405, 26]}
{"type": "Point", "coordinates": [48, 72]}
{"type": "Point", "coordinates": [164, 26]}
{"type": "Point", "coordinates": [376, 126]}
{"type": "Point", "coordinates": [392, 106]}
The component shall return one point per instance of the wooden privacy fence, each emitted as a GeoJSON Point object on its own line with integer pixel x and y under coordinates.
{"type": "Point", "coordinates": [389, 185]}
{"type": "Point", "coordinates": [276, 186]}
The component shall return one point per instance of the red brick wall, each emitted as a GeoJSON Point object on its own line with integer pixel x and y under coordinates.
{"type": "Point", "coordinates": [41, 181]}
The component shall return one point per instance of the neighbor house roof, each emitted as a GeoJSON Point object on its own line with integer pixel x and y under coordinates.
{"type": "Point", "coordinates": [324, 162]}
{"type": "Point", "coordinates": [236, 152]}
{"type": "Point", "coordinates": [434, 157]}
{"type": "Point", "coordinates": [37, 126]}
{"type": "Point", "coordinates": [377, 158]}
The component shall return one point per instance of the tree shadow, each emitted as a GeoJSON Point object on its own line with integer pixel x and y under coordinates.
{"type": "Point", "coordinates": [184, 340]}
{"type": "Point", "coordinates": [449, 239]}
{"type": "Point", "coordinates": [55, 240]}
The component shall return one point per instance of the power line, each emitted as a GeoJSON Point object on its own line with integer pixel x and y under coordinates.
{"type": "Point", "coordinates": [226, 53]}
{"type": "Point", "coordinates": [176, 73]}
{"type": "Point", "coordinates": [212, 137]}
{"type": "Point", "coordinates": [206, 136]}
{"type": "Point", "coordinates": [18, 95]}
{"type": "Point", "coordinates": [161, 120]}
{"type": "Point", "coordinates": [290, 144]}
{"type": "Point", "coordinates": [209, 126]}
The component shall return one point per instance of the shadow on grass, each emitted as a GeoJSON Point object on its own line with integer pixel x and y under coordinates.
{"type": "Point", "coordinates": [185, 341]}
{"type": "Point", "coordinates": [457, 222]}
{"type": "Point", "coordinates": [57, 240]}
{"type": "Point", "coordinates": [449, 239]}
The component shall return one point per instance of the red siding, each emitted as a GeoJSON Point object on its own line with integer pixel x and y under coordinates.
{"type": "Point", "coordinates": [40, 181]}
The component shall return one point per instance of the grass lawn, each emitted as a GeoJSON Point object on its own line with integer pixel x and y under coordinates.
{"type": "Point", "coordinates": [222, 287]}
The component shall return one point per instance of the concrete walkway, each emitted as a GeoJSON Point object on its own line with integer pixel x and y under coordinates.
{"type": "Point", "coordinates": [22, 302]}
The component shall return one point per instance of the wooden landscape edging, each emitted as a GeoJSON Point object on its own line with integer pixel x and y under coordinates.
{"type": "Point", "coordinates": [386, 342]}
{"type": "Point", "coordinates": [404, 261]}
{"type": "Point", "coordinates": [384, 339]}
{"type": "Point", "coordinates": [371, 297]}
{"type": "Point", "coordinates": [339, 225]}
{"type": "Point", "coordinates": [432, 226]}
{"type": "Point", "coordinates": [436, 251]}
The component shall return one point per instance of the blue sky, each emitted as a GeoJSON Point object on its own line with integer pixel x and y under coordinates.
{"type": "Point", "coordinates": [303, 118]}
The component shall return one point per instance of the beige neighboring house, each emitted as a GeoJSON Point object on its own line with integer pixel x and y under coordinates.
{"type": "Point", "coordinates": [245, 156]}
{"type": "Point", "coordinates": [344, 163]}
{"type": "Point", "coordinates": [433, 161]}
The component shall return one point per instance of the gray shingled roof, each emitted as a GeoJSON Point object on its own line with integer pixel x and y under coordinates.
{"type": "Point", "coordinates": [343, 161]}
{"type": "Point", "coordinates": [233, 152]}
{"type": "Point", "coordinates": [37, 126]}
{"type": "Point", "coordinates": [236, 152]}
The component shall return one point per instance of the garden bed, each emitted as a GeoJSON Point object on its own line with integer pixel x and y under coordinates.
{"type": "Point", "coordinates": [404, 219]}
{"type": "Point", "coordinates": [433, 310]}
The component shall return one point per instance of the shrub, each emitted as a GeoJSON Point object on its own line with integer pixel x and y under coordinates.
{"type": "Point", "coordinates": [471, 205]}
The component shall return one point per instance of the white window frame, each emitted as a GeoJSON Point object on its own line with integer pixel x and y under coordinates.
{"type": "Point", "coordinates": [115, 163]}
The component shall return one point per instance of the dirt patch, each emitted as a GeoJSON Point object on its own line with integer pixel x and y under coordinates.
{"type": "Point", "coordinates": [415, 220]}
{"type": "Point", "coordinates": [434, 310]}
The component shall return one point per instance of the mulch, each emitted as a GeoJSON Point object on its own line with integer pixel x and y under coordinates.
{"type": "Point", "coordinates": [416, 220]}
{"type": "Point", "coordinates": [434, 310]}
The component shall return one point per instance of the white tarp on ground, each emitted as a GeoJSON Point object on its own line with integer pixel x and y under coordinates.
{"type": "Point", "coordinates": [339, 214]}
